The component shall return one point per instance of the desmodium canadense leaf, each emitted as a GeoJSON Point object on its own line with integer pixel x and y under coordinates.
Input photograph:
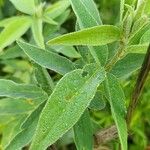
{"type": "Point", "coordinates": [127, 65]}
{"type": "Point", "coordinates": [88, 16]}
{"type": "Point", "coordinates": [70, 98]}
{"type": "Point", "coordinates": [14, 30]}
{"type": "Point", "coordinates": [26, 6]}
{"type": "Point", "coordinates": [98, 35]}
{"type": "Point", "coordinates": [11, 89]}
{"type": "Point", "coordinates": [47, 59]}
{"type": "Point", "coordinates": [116, 98]}
{"type": "Point", "coordinates": [83, 132]}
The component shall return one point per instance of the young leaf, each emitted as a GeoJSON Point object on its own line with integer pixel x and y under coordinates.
{"type": "Point", "coordinates": [116, 99]}
{"type": "Point", "coordinates": [37, 31]}
{"type": "Point", "coordinates": [47, 59]}
{"type": "Point", "coordinates": [127, 65]}
{"type": "Point", "coordinates": [99, 35]}
{"type": "Point", "coordinates": [25, 6]}
{"type": "Point", "coordinates": [14, 30]}
{"type": "Point", "coordinates": [135, 38]}
{"type": "Point", "coordinates": [66, 104]}
{"type": "Point", "coordinates": [83, 132]}
{"type": "Point", "coordinates": [56, 9]}
{"type": "Point", "coordinates": [122, 3]}
{"type": "Point", "coordinates": [11, 89]}
{"type": "Point", "coordinates": [141, 48]}
{"type": "Point", "coordinates": [7, 21]}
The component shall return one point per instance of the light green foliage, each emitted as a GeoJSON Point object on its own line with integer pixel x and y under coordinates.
{"type": "Point", "coordinates": [28, 129]}
{"type": "Point", "coordinates": [47, 59]}
{"type": "Point", "coordinates": [11, 89]}
{"type": "Point", "coordinates": [63, 109]}
{"type": "Point", "coordinates": [116, 99]}
{"type": "Point", "coordinates": [141, 48]}
{"type": "Point", "coordinates": [10, 106]}
{"type": "Point", "coordinates": [25, 6]}
{"type": "Point", "coordinates": [14, 30]}
{"type": "Point", "coordinates": [57, 9]}
{"type": "Point", "coordinates": [83, 132]}
{"type": "Point", "coordinates": [99, 35]}
{"type": "Point", "coordinates": [88, 16]}
{"type": "Point", "coordinates": [37, 31]}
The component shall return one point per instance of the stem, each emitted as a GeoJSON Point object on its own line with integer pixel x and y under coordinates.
{"type": "Point", "coordinates": [117, 56]}
{"type": "Point", "coordinates": [139, 86]}
{"type": "Point", "coordinates": [105, 135]}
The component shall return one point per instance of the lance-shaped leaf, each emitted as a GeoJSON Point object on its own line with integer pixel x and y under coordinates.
{"type": "Point", "coordinates": [47, 59]}
{"type": "Point", "coordinates": [140, 48]}
{"type": "Point", "coordinates": [71, 97]}
{"type": "Point", "coordinates": [88, 16]}
{"type": "Point", "coordinates": [99, 35]}
{"type": "Point", "coordinates": [10, 106]}
{"type": "Point", "coordinates": [86, 12]}
{"type": "Point", "coordinates": [116, 99]}
{"type": "Point", "coordinates": [43, 78]}
{"type": "Point", "coordinates": [26, 6]}
{"type": "Point", "coordinates": [83, 132]}
{"type": "Point", "coordinates": [56, 9]}
{"type": "Point", "coordinates": [127, 65]}
{"type": "Point", "coordinates": [13, 31]}
{"type": "Point", "coordinates": [11, 89]}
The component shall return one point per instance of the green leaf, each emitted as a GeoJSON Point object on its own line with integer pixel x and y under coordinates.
{"type": "Point", "coordinates": [127, 65]}
{"type": "Point", "coordinates": [68, 51]}
{"type": "Point", "coordinates": [43, 79]}
{"type": "Point", "coordinates": [11, 89]}
{"type": "Point", "coordinates": [55, 10]}
{"type": "Point", "coordinates": [88, 16]}
{"type": "Point", "coordinates": [99, 35]}
{"type": "Point", "coordinates": [9, 106]}
{"type": "Point", "coordinates": [122, 3]}
{"type": "Point", "coordinates": [116, 99]}
{"type": "Point", "coordinates": [135, 38]}
{"type": "Point", "coordinates": [83, 132]}
{"type": "Point", "coordinates": [37, 31]}
{"type": "Point", "coordinates": [86, 12]}
{"type": "Point", "coordinates": [12, 53]}
{"type": "Point", "coordinates": [25, 6]}
{"type": "Point", "coordinates": [47, 59]}
{"type": "Point", "coordinates": [147, 7]}
{"type": "Point", "coordinates": [145, 39]}
{"type": "Point", "coordinates": [98, 102]}
{"type": "Point", "coordinates": [66, 104]}
{"type": "Point", "coordinates": [14, 30]}
{"type": "Point", "coordinates": [141, 48]}
{"type": "Point", "coordinates": [11, 129]}
{"type": "Point", "coordinates": [28, 127]}
{"type": "Point", "coordinates": [5, 22]}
